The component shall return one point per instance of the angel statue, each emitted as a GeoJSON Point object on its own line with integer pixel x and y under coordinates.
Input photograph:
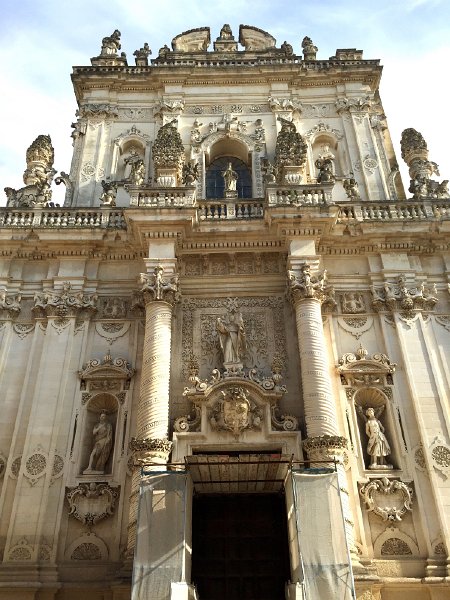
{"type": "Point", "coordinates": [377, 446]}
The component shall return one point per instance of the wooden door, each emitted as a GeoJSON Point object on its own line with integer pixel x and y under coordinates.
{"type": "Point", "coordinates": [240, 547]}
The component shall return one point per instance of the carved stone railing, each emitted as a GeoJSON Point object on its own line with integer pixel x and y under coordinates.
{"type": "Point", "coordinates": [61, 217]}
{"type": "Point", "coordinates": [220, 210]}
{"type": "Point", "coordinates": [299, 195]}
{"type": "Point", "coordinates": [161, 198]}
{"type": "Point", "coordinates": [400, 211]}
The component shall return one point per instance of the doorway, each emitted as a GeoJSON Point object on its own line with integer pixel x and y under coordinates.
{"type": "Point", "coordinates": [240, 546]}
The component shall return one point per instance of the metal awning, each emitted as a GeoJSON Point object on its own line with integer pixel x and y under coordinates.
{"type": "Point", "coordinates": [242, 473]}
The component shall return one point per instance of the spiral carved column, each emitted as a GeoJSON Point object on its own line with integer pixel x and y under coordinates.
{"type": "Point", "coordinates": [151, 444]}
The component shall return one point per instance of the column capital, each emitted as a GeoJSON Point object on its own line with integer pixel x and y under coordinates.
{"type": "Point", "coordinates": [158, 286]}
{"type": "Point", "coordinates": [303, 285]}
{"type": "Point", "coordinates": [325, 447]}
{"type": "Point", "coordinates": [148, 450]}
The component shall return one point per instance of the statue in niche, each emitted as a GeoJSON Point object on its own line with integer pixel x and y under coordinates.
{"type": "Point", "coordinates": [137, 174]}
{"type": "Point", "coordinates": [102, 434]}
{"type": "Point", "coordinates": [377, 446]}
{"type": "Point", "coordinates": [230, 177]}
{"type": "Point", "coordinates": [133, 158]}
{"type": "Point", "coordinates": [232, 337]}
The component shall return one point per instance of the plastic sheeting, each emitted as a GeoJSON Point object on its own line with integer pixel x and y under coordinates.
{"type": "Point", "coordinates": [161, 544]}
{"type": "Point", "coordinates": [321, 537]}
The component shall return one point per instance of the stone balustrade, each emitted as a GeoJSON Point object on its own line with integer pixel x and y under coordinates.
{"type": "Point", "coordinates": [221, 210]}
{"type": "Point", "coordinates": [60, 217]}
{"type": "Point", "coordinates": [401, 211]}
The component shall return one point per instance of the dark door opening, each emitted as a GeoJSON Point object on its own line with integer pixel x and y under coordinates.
{"type": "Point", "coordinates": [240, 547]}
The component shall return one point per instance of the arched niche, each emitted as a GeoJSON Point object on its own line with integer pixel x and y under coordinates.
{"type": "Point", "coordinates": [372, 397]}
{"type": "Point", "coordinates": [129, 147]}
{"type": "Point", "coordinates": [99, 435]}
{"type": "Point", "coordinates": [234, 145]}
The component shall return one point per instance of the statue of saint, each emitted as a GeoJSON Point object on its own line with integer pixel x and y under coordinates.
{"type": "Point", "coordinates": [102, 434]}
{"type": "Point", "coordinates": [377, 446]}
{"type": "Point", "coordinates": [232, 337]}
{"type": "Point", "coordinates": [230, 177]}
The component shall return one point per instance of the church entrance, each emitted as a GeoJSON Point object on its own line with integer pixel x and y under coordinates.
{"type": "Point", "coordinates": [240, 546]}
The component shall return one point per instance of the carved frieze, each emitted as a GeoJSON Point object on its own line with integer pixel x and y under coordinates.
{"type": "Point", "coordinates": [406, 299]}
{"type": "Point", "coordinates": [64, 302]}
{"type": "Point", "coordinates": [92, 502]}
{"type": "Point", "coordinates": [390, 499]}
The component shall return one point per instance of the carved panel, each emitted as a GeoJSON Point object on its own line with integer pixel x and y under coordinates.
{"type": "Point", "coordinates": [440, 456]}
{"type": "Point", "coordinates": [390, 499]}
{"type": "Point", "coordinates": [264, 324]}
{"type": "Point", "coordinates": [92, 502]}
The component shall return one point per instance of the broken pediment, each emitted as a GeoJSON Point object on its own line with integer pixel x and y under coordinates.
{"type": "Point", "coordinates": [193, 40]}
{"type": "Point", "coordinates": [254, 39]}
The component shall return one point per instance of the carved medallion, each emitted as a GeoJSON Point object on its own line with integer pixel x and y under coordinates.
{"type": "Point", "coordinates": [390, 499]}
{"type": "Point", "coordinates": [235, 412]}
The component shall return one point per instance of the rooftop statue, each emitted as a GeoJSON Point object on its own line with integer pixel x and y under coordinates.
{"type": "Point", "coordinates": [108, 197]}
{"type": "Point", "coordinates": [309, 50]}
{"type": "Point", "coordinates": [141, 56]}
{"type": "Point", "coordinates": [415, 154]}
{"type": "Point", "coordinates": [37, 177]}
{"type": "Point", "coordinates": [226, 33]}
{"type": "Point", "coordinates": [111, 44]}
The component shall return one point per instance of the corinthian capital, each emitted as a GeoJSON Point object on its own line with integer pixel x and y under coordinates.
{"type": "Point", "coordinates": [303, 285]}
{"type": "Point", "coordinates": [64, 302]}
{"type": "Point", "coordinates": [157, 287]}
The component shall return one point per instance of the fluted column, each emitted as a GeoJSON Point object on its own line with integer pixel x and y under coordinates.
{"type": "Point", "coordinates": [308, 293]}
{"type": "Point", "coordinates": [159, 292]}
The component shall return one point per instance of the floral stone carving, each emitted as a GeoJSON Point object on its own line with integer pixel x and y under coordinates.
{"type": "Point", "coordinates": [92, 502]}
{"type": "Point", "coordinates": [361, 370]}
{"type": "Point", "coordinates": [37, 177]}
{"type": "Point", "coordinates": [390, 499]}
{"type": "Point", "coordinates": [235, 412]}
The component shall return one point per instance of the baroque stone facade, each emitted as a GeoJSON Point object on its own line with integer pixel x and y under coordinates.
{"type": "Point", "coordinates": [237, 289]}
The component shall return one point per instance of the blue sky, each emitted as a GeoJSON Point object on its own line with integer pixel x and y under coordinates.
{"type": "Point", "coordinates": [42, 40]}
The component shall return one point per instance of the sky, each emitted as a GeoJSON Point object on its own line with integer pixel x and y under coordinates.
{"type": "Point", "coordinates": [41, 41]}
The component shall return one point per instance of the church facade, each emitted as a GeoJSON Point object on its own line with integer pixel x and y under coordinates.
{"type": "Point", "coordinates": [225, 359]}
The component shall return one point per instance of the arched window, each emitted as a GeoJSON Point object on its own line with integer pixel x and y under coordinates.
{"type": "Point", "coordinates": [215, 186]}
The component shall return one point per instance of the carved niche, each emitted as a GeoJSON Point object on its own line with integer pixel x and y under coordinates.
{"type": "Point", "coordinates": [368, 382]}
{"type": "Point", "coordinates": [104, 385]}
